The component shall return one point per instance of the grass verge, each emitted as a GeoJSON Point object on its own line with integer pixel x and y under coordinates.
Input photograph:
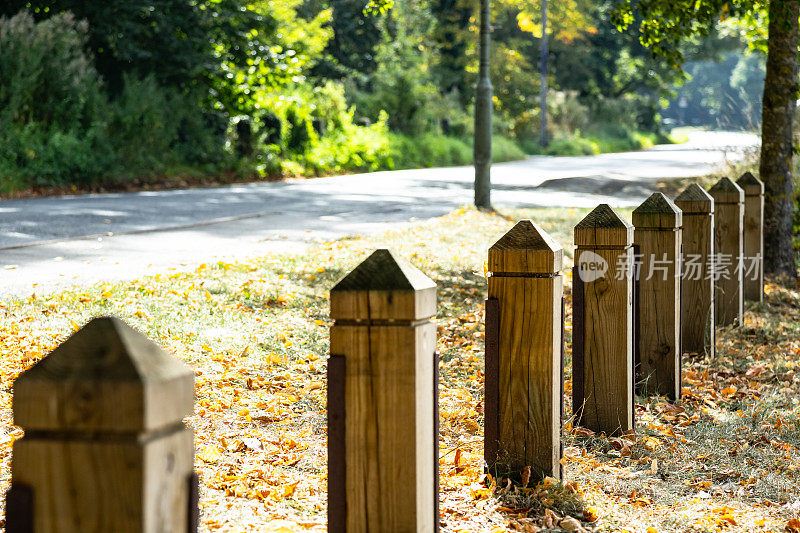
{"type": "Point", "coordinates": [724, 458]}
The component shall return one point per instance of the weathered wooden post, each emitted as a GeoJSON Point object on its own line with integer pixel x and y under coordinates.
{"type": "Point", "coordinates": [697, 299]}
{"type": "Point", "coordinates": [382, 408]}
{"type": "Point", "coordinates": [524, 368]}
{"type": "Point", "coordinates": [657, 235]}
{"type": "Point", "coordinates": [753, 240]}
{"type": "Point", "coordinates": [602, 331]}
{"type": "Point", "coordinates": [729, 217]}
{"type": "Point", "coordinates": [104, 447]}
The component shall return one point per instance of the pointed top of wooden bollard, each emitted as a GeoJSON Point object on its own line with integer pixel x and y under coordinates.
{"type": "Point", "coordinates": [526, 248]}
{"type": "Point", "coordinates": [694, 199]}
{"type": "Point", "coordinates": [751, 185]}
{"type": "Point", "coordinates": [603, 227]}
{"type": "Point", "coordinates": [657, 211]}
{"type": "Point", "coordinates": [384, 287]}
{"type": "Point", "coordinates": [106, 377]}
{"type": "Point", "coordinates": [726, 191]}
{"type": "Point", "coordinates": [384, 271]}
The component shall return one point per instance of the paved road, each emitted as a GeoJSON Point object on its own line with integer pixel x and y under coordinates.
{"type": "Point", "coordinates": [51, 243]}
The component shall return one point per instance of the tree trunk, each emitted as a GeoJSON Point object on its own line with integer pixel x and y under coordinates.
{"type": "Point", "coordinates": [780, 96]}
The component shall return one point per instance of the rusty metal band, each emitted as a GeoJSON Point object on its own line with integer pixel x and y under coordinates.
{"type": "Point", "coordinates": [193, 512]}
{"type": "Point", "coordinates": [491, 404]}
{"type": "Point", "coordinates": [637, 354]}
{"type": "Point", "coordinates": [19, 509]}
{"type": "Point", "coordinates": [578, 345]}
{"type": "Point", "coordinates": [337, 468]}
{"type": "Point", "coordinates": [436, 519]}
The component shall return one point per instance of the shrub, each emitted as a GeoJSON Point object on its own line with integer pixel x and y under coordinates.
{"type": "Point", "coordinates": [430, 150]}
{"type": "Point", "coordinates": [46, 77]}
{"type": "Point", "coordinates": [167, 129]}
{"type": "Point", "coordinates": [58, 127]}
{"type": "Point", "coordinates": [504, 149]}
{"type": "Point", "coordinates": [352, 149]}
{"type": "Point", "coordinates": [300, 130]}
{"type": "Point", "coordinates": [51, 104]}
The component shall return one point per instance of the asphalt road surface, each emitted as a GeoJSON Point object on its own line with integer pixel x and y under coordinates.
{"type": "Point", "coordinates": [52, 243]}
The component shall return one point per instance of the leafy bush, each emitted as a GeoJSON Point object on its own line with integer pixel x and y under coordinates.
{"type": "Point", "coordinates": [352, 149]}
{"type": "Point", "coordinates": [300, 132]}
{"type": "Point", "coordinates": [30, 156]}
{"type": "Point", "coordinates": [50, 104]}
{"type": "Point", "coordinates": [504, 149]}
{"type": "Point", "coordinates": [167, 127]}
{"type": "Point", "coordinates": [572, 145]}
{"type": "Point", "coordinates": [598, 139]}
{"type": "Point", "coordinates": [58, 127]}
{"type": "Point", "coordinates": [430, 150]}
{"type": "Point", "coordinates": [45, 76]}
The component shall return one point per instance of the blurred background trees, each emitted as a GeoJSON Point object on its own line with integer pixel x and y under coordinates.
{"type": "Point", "coordinates": [95, 92]}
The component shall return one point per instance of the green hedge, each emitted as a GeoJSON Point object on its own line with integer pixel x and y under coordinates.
{"type": "Point", "coordinates": [430, 150]}
{"type": "Point", "coordinates": [598, 139]}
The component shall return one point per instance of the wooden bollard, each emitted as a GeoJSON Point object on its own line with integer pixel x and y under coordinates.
{"type": "Point", "coordinates": [728, 243]}
{"type": "Point", "coordinates": [658, 224]}
{"type": "Point", "coordinates": [602, 331]}
{"type": "Point", "coordinates": [753, 240]}
{"type": "Point", "coordinates": [382, 408]}
{"type": "Point", "coordinates": [697, 298]}
{"type": "Point", "coordinates": [104, 447]}
{"type": "Point", "coordinates": [524, 367]}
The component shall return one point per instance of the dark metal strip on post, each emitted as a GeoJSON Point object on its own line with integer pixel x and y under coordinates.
{"type": "Point", "coordinates": [19, 509]}
{"type": "Point", "coordinates": [578, 345]}
{"type": "Point", "coordinates": [436, 441]}
{"type": "Point", "coordinates": [337, 466]}
{"type": "Point", "coordinates": [637, 354]}
{"type": "Point", "coordinates": [563, 356]}
{"type": "Point", "coordinates": [193, 512]}
{"type": "Point", "coordinates": [561, 380]}
{"type": "Point", "coordinates": [491, 402]}
{"type": "Point", "coordinates": [680, 326]}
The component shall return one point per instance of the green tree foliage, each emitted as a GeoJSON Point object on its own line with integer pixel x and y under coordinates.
{"type": "Point", "coordinates": [277, 52]}
{"type": "Point", "coordinates": [351, 50]}
{"type": "Point", "coordinates": [665, 24]}
{"type": "Point", "coordinates": [452, 40]}
{"type": "Point", "coordinates": [49, 78]}
{"type": "Point", "coordinates": [724, 94]}
{"type": "Point", "coordinates": [166, 38]}
{"type": "Point", "coordinates": [402, 85]}
{"type": "Point", "coordinates": [57, 125]}
{"type": "Point", "coordinates": [222, 46]}
{"type": "Point", "coordinates": [50, 99]}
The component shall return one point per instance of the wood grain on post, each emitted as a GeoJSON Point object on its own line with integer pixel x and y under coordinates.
{"type": "Point", "coordinates": [525, 265]}
{"type": "Point", "coordinates": [728, 245]}
{"type": "Point", "coordinates": [753, 240]}
{"type": "Point", "coordinates": [104, 447]}
{"type": "Point", "coordinates": [697, 299]}
{"type": "Point", "coordinates": [383, 328]}
{"type": "Point", "coordinates": [658, 225]}
{"type": "Point", "coordinates": [603, 399]}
